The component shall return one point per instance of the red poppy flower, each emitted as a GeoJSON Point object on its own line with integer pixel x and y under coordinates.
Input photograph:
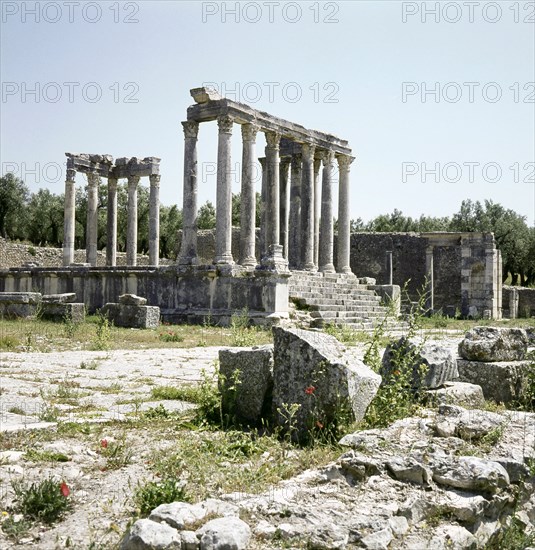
{"type": "Point", "coordinates": [64, 488]}
{"type": "Point", "coordinates": [104, 443]}
{"type": "Point", "coordinates": [319, 424]}
{"type": "Point", "coordinates": [310, 390]}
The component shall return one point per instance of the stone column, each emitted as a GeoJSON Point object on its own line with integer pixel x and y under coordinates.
{"type": "Point", "coordinates": [317, 208]}
{"type": "Point", "coordinates": [294, 239]}
{"type": "Point", "coordinates": [272, 190]}
{"type": "Point", "coordinates": [131, 228]}
{"type": "Point", "coordinates": [283, 206]}
{"type": "Point", "coordinates": [263, 194]}
{"type": "Point", "coordinates": [248, 197]}
{"type": "Point", "coordinates": [344, 222]}
{"type": "Point", "coordinates": [188, 246]}
{"type": "Point", "coordinates": [111, 223]}
{"type": "Point", "coordinates": [154, 220]}
{"type": "Point", "coordinates": [326, 223]}
{"type": "Point", "coordinates": [430, 275]}
{"type": "Point", "coordinates": [92, 218]}
{"type": "Point", "coordinates": [307, 208]}
{"type": "Point", "coordinates": [69, 217]}
{"type": "Point", "coordinates": [223, 226]}
{"type": "Point", "coordinates": [389, 267]}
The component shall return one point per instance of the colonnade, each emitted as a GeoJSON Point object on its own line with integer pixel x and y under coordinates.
{"type": "Point", "coordinates": [293, 228]}
{"type": "Point", "coordinates": [96, 167]}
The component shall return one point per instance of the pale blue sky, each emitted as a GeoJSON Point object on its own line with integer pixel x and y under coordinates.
{"type": "Point", "coordinates": [363, 60]}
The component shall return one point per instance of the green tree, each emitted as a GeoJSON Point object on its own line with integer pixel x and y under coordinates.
{"type": "Point", "coordinates": [170, 224]}
{"type": "Point", "coordinates": [13, 199]}
{"type": "Point", "coordinates": [206, 216]}
{"type": "Point", "coordinates": [45, 212]}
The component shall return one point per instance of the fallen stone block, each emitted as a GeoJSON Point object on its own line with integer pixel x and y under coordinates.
{"type": "Point", "coordinates": [315, 379]}
{"type": "Point", "coordinates": [132, 300]}
{"type": "Point", "coordinates": [470, 473]}
{"type": "Point", "coordinates": [74, 313]}
{"type": "Point", "coordinates": [224, 533]}
{"type": "Point", "coordinates": [470, 425]}
{"type": "Point", "coordinates": [493, 344]}
{"type": "Point", "coordinates": [132, 316]}
{"type": "Point", "coordinates": [456, 393]}
{"type": "Point", "coordinates": [146, 534]}
{"type": "Point", "coordinates": [503, 381]}
{"type": "Point", "coordinates": [23, 305]}
{"type": "Point", "coordinates": [64, 298]}
{"type": "Point", "coordinates": [247, 380]}
{"type": "Point", "coordinates": [435, 363]}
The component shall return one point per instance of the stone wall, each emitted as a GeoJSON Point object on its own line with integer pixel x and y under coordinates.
{"type": "Point", "coordinates": [518, 302]}
{"type": "Point", "coordinates": [17, 255]}
{"type": "Point", "coordinates": [186, 294]}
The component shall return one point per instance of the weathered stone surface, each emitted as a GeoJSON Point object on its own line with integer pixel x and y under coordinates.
{"type": "Point", "coordinates": [314, 371]}
{"type": "Point", "coordinates": [64, 298]}
{"type": "Point", "coordinates": [229, 533]}
{"type": "Point", "coordinates": [454, 537]}
{"type": "Point", "coordinates": [457, 393]}
{"type": "Point", "coordinates": [189, 540]}
{"type": "Point", "coordinates": [438, 362]}
{"type": "Point", "coordinates": [409, 469]}
{"type": "Point", "coordinates": [502, 381]}
{"type": "Point", "coordinates": [469, 425]}
{"type": "Point", "coordinates": [123, 315]}
{"type": "Point", "coordinates": [530, 333]}
{"type": "Point", "coordinates": [494, 344]}
{"type": "Point", "coordinates": [181, 515]}
{"type": "Point", "coordinates": [471, 474]}
{"type": "Point", "coordinates": [19, 304]}
{"type": "Point", "coordinates": [132, 300]}
{"type": "Point", "coordinates": [146, 534]}
{"type": "Point", "coordinates": [255, 378]}
{"type": "Point", "coordinates": [62, 311]}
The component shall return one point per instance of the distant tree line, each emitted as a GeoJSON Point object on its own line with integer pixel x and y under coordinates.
{"type": "Point", "coordinates": [38, 218]}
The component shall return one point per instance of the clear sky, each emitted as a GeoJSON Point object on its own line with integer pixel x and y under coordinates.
{"type": "Point", "coordinates": [436, 99]}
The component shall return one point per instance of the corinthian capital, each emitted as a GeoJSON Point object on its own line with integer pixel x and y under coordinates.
{"type": "Point", "coordinates": [225, 122]}
{"type": "Point", "coordinates": [327, 157]}
{"type": "Point", "coordinates": [308, 150]}
{"type": "Point", "coordinates": [191, 128]}
{"type": "Point", "coordinates": [344, 162]}
{"type": "Point", "coordinates": [273, 139]}
{"type": "Point", "coordinates": [248, 132]}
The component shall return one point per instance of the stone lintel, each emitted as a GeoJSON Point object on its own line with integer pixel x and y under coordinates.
{"type": "Point", "coordinates": [242, 114]}
{"type": "Point", "coordinates": [86, 163]}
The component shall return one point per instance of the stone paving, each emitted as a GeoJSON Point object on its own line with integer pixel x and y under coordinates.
{"type": "Point", "coordinates": [104, 385]}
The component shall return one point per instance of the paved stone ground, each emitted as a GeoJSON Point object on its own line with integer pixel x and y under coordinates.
{"type": "Point", "coordinates": [103, 381]}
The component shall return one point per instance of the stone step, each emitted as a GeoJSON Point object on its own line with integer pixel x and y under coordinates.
{"type": "Point", "coordinates": [326, 302]}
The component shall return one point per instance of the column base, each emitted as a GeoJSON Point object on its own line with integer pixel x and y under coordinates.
{"type": "Point", "coordinates": [224, 259]}
{"type": "Point", "coordinates": [329, 268]}
{"type": "Point", "coordinates": [345, 269]}
{"type": "Point", "coordinates": [310, 267]}
{"type": "Point", "coordinates": [274, 260]}
{"type": "Point", "coordinates": [248, 262]}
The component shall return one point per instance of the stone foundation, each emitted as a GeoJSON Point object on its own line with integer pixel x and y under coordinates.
{"type": "Point", "coordinates": [518, 302]}
{"type": "Point", "coordinates": [184, 294]}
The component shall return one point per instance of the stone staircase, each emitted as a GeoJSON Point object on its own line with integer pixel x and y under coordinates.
{"type": "Point", "coordinates": [336, 298]}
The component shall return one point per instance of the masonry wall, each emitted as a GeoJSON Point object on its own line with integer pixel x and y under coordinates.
{"type": "Point", "coordinates": [525, 306]}
{"type": "Point", "coordinates": [18, 255]}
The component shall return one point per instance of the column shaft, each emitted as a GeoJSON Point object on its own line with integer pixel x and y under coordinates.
{"type": "Point", "coordinates": [263, 200]}
{"type": "Point", "coordinates": [326, 223]}
{"type": "Point", "coordinates": [111, 223]}
{"type": "Point", "coordinates": [344, 223]}
{"type": "Point", "coordinates": [223, 236]}
{"type": "Point", "coordinates": [92, 218]}
{"type": "Point", "coordinates": [131, 230]}
{"type": "Point", "coordinates": [272, 191]}
{"type": "Point", "coordinates": [188, 246]}
{"type": "Point", "coordinates": [283, 206]}
{"type": "Point", "coordinates": [69, 218]}
{"type": "Point", "coordinates": [154, 220]}
{"type": "Point", "coordinates": [294, 240]}
{"type": "Point", "coordinates": [248, 197]}
{"type": "Point", "coordinates": [317, 209]}
{"type": "Point", "coordinates": [307, 208]}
